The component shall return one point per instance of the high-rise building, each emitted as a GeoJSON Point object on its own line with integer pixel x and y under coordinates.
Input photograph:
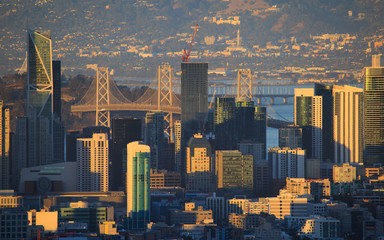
{"type": "Point", "coordinates": [194, 95]}
{"type": "Point", "coordinates": [45, 141]}
{"type": "Point", "coordinates": [225, 125]}
{"type": "Point", "coordinates": [261, 127]}
{"type": "Point", "coordinates": [245, 120]}
{"type": "Point", "coordinates": [200, 173]}
{"type": "Point", "coordinates": [4, 146]}
{"type": "Point", "coordinates": [308, 114]}
{"type": "Point", "coordinates": [124, 131]}
{"type": "Point", "coordinates": [290, 136]}
{"type": "Point", "coordinates": [194, 100]}
{"type": "Point", "coordinates": [93, 163]}
{"type": "Point", "coordinates": [374, 112]}
{"type": "Point", "coordinates": [348, 124]}
{"type": "Point", "coordinates": [234, 171]}
{"type": "Point", "coordinates": [286, 162]}
{"type": "Point", "coordinates": [154, 137]}
{"type": "Point", "coordinates": [325, 91]}
{"type": "Point", "coordinates": [19, 149]}
{"type": "Point", "coordinates": [178, 163]}
{"type": "Point", "coordinates": [138, 185]}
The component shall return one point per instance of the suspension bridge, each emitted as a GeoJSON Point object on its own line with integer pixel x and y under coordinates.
{"type": "Point", "coordinates": [103, 96]}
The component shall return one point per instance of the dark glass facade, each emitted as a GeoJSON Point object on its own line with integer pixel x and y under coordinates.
{"type": "Point", "coordinates": [225, 128]}
{"type": "Point", "coordinates": [56, 65]}
{"type": "Point", "coordinates": [124, 131]}
{"type": "Point", "coordinates": [373, 116]}
{"type": "Point", "coordinates": [194, 96]}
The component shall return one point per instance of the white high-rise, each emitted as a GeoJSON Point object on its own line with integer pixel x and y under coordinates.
{"type": "Point", "coordinates": [92, 163]}
{"type": "Point", "coordinates": [348, 124]}
{"type": "Point", "coordinates": [287, 162]}
{"type": "Point", "coordinates": [308, 114]}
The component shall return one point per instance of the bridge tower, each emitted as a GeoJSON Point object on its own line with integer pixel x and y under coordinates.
{"type": "Point", "coordinates": [244, 83]}
{"type": "Point", "coordinates": [164, 96]}
{"type": "Point", "coordinates": [102, 97]}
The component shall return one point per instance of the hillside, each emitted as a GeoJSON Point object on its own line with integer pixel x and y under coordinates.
{"type": "Point", "coordinates": [113, 32]}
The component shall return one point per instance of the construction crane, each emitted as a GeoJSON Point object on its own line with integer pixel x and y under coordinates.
{"type": "Point", "coordinates": [185, 57]}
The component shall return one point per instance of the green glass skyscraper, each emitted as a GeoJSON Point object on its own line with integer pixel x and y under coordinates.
{"type": "Point", "coordinates": [138, 185]}
{"type": "Point", "coordinates": [374, 112]}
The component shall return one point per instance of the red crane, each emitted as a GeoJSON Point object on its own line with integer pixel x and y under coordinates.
{"type": "Point", "coordinates": [185, 57]}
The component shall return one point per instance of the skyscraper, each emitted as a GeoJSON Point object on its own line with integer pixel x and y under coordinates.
{"type": "Point", "coordinates": [374, 112]}
{"type": "Point", "coordinates": [261, 127]}
{"type": "Point", "coordinates": [348, 124]}
{"type": "Point", "coordinates": [138, 184]}
{"type": "Point", "coordinates": [308, 114]}
{"type": "Point", "coordinates": [200, 173]}
{"type": "Point", "coordinates": [93, 163]}
{"type": "Point", "coordinates": [154, 137]}
{"type": "Point", "coordinates": [4, 146]}
{"type": "Point", "coordinates": [194, 93]}
{"type": "Point", "coordinates": [124, 131]}
{"type": "Point", "coordinates": [45, 141]}
{"type": "Point", "coordinates": [225, 125]}
{"type": "Point", "coordinates": [325, 91]}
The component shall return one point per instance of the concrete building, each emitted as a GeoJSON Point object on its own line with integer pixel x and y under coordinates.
{"type": "Point", "coordinates": [5, 145]}
{"type": "Point", "coordinates": [154, 137]}
{"type": "Point", "coordinates": [108, 228]}
{"type": "Point", "coordinates": [138, 185]}
{"type": "Point", "coordinates": [244, 221]}
{"type": "Point", "coordinates": [199, 174]}
{"type": "Point", "coordinates": [49, 220]}
{"type": "Point", "coordinates": [57, 177]}
{"type": "Point", "coordinates": [218, 207]}
{"type": "Point", "coordinates": [287, 162]}
{"type": "Point", "coordinates": [288, 204]}
{"type": "Point", "coordinates": [308, 114]}
{"type": "Point", "coordinates": [93, 163]}
{"type": "Point", "coordinates": [13, 224]}
{"type": "Point", "coordinates": [257, 150]}
{"type": "Point", "coordinates": [344, 173]}
{"type": "Point", "coordinates": [234, 171]}
{"type": "Point", "coordinates": [321, 228]}
{"type": "Point", "coordinates": [312, 168]}
{"type": "Point", "coordinates": [237, 205]}
{"type": "Point", "coordinates": [348, 124]}
{"type": "Point", "coordinates": [8, 199]}
{"type": "Point", "coordinates": [190, 215]}
{"type": "Point", "coordinates": [163, 178]}
{"type": "Point", "coordinates": [178, 162]}
{"type": "Point", "coordinates": [373, 110]}
{"type": "Point", "coordinates": [319, 188]}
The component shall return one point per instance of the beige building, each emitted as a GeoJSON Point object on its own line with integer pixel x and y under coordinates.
{"type": "Point", "coordinates": [288, 204]}
{"type": "Point", "coordinates": [108, 228]}
{"type": "Point", "coordinates": [344, 173]}
{"type": "Point", "coordinates": [93, 163]}
{"type": "Point", "coordinates": [163, 178]}
{"type": "Point", "coordinates": [318, 188]}
{"type": "Point", "coordinates": [200, 174]}
{"type": "Point", "coordinates": [191, 215]}
{"type": "Point", "coordinates": [49, 220]}
{"type": "Point", "coordinates": [244, 221]}
{"type": "Point", "coordinates": [11, 201]}
{"type": "Point", "coordinates": [348, 124]}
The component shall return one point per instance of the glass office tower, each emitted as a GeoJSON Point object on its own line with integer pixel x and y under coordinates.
{"type": "Point", "coordinates": [138, 184]}
{"type": "Point", "coordinates": [373, 113]}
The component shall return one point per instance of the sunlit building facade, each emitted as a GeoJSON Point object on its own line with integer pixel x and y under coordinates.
{"type": "Point", "coordinates": [138, 185]}
{"type": "Point", "coordinates": [4, 146]}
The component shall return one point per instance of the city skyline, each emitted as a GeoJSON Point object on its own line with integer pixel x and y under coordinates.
{"type": "Point", "coordinates": [200, 151]}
